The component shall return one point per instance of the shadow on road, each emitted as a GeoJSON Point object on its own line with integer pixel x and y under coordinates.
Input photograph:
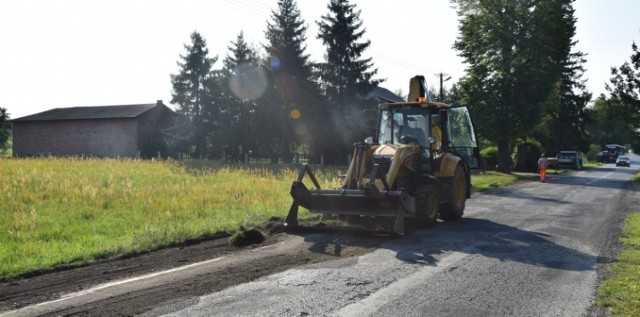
{"type": "Point", "coordinates": [494, 240]}
{"type": "Point", "coordinates": [467, 235]}
{"type": "Point", "coordinates": [587, 178]}
{"type": "Point", "coordinates": [480, 236]}
{"type": "Point", "coordinates": [515, 193]}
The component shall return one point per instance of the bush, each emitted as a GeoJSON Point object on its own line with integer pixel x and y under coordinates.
{"type": "Point", "coordinates": [490, 157]}
{"type": "Point", "coordinates": [594, 150]}
{"type": "Point", "coordinates": [489, 151]}
{"type": "Point", "coordinates": [526, 156]}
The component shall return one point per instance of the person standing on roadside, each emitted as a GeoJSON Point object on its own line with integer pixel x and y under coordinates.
{"type": "Point", "coordinates": [543, 162]}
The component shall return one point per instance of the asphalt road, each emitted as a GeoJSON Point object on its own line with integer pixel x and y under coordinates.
{"type": "Point", "coordinates": [532, 249]}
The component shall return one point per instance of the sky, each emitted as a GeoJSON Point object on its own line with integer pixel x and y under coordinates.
{"type": "Point", "coordinates": [70, 53]}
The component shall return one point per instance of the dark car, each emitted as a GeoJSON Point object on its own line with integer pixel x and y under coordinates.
{"type": "Point", "coordinates": [571, 159]}
{"type": "Point", "coordinates": [623, 161]}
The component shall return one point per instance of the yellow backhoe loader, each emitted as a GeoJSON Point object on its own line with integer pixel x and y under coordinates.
{"type": "Point", "coordinates": [417, 167]}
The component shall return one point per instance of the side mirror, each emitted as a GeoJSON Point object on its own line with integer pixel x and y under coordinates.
{"type": "Point", "coordinates": [368, 140]}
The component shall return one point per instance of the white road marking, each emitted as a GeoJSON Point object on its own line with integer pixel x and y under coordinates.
{"type": "Point", "coordinates": [599, 178]}
{"type": "Point", "coordinates": [103, 290]}
{"type": "Point", "coordinates": [370, 305]}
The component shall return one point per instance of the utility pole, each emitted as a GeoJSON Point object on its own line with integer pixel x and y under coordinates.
{"type": "Point", "coordinates": [442, 80]}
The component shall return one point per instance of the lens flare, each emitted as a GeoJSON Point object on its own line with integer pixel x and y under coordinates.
{"type": "Point", "coordinates": [248, 82]}
{"type": "Point", "coordinates": [275, 63]}
{"type": "Point", "coordinates": [295, 114]}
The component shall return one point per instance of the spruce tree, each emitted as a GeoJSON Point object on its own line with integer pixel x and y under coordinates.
{"type": "Point", "coordinates": [294, 97]}
{"type": "Point", "coordinates": [346, 77]}
{"type": "Point", "coordinates": [244, 83]}
{"type": "Point", "coordinates": [190, 88]}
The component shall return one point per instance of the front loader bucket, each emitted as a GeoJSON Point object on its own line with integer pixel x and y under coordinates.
{"type": "Point", "coordinates": [369, 201]}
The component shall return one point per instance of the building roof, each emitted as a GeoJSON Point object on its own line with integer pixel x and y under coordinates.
{"type": "Point", "coordinates": [84, 113]}
{"type": "Point", "coordinates": [385, 95]}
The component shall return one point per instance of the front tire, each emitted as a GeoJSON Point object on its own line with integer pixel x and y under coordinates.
{"type": "Point", "coordinates": [427, 202]}
{"type": "Point", "coordinates": [454, 207]}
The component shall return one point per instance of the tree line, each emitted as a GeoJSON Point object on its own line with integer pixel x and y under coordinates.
{"type": "Point", "coordinates": [275, 103]}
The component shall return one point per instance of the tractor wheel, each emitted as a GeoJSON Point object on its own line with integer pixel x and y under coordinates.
{"type": "Point", "coordinates": [454, 208]}
{"type": "Point", "coordinates": [426, 197]}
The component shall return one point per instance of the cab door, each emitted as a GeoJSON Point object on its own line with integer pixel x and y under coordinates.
{"type": "Point", "coordinates": [461, 136]}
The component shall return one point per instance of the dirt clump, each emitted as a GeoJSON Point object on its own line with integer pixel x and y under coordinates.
{"type": "Point", "coordinates": [247, 237]}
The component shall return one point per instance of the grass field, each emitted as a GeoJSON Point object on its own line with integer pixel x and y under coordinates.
{"type": "Point", "coordinates": [620, 291]}
{"type": "Point", "coordinates": [59, 211]}
{"type": "Point", "coordinates": [64, 211]}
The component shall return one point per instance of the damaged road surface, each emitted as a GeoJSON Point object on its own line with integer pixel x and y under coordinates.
{"type": "Point", "coordinates": [532, 249]}
{"type": "Point", "coordinates": [138, 284]}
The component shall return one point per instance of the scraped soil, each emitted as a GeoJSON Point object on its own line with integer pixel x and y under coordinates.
{"type": "Point", "coordinates": [322, 245]}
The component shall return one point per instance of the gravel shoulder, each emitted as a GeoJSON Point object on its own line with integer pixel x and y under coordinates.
{"type": "Point", "coordinates": [279, 252]}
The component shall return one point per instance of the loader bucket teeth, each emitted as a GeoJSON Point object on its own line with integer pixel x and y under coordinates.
{"type": "Point", "coordinates": [369, 201]}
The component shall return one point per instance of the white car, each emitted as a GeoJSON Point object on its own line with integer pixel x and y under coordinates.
{"type": "Point", "coordinates": [623, 160]}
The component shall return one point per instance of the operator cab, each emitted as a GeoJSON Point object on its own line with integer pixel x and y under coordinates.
{"type": "Point", "coordinates": [436, 127]}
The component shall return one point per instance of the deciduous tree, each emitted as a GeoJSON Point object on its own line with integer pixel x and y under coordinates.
{"type": "Point", "coordinates": [608, 122]}
{"type": "Point", "coordinates": [515, 50]}
{"type": "Point", "coordinates": [564, 119]}
{"type": "Point", "coordinates": [625, 88]}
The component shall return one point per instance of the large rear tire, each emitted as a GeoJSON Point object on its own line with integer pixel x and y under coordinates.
{"type": "Point", "coordinates": [454, 207]}
{"type": "Point", "coordinates": [426, 197]}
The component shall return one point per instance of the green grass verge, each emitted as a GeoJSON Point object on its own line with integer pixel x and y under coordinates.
{"type": "Point", "coordinates": [620, 291]}
{"type": "Point", "coordinates": [592, 164]}
{"type": "Point", "coordinates": [58, 211]}
{"type": "Point", "coordinates": [67, 211]}
{"type": "Point", "coordinates": [491, 179]}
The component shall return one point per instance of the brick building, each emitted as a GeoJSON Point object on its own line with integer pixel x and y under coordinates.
{"type": "Point", "coordinates": [106, 131]}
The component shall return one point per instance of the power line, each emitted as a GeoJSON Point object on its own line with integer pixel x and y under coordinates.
{"type": "Point", "coordinates": [244, 7]}
{"type": "Point", "coordinates": [260, 4]}
{"type": "Point", "coordinates": [402, 63]}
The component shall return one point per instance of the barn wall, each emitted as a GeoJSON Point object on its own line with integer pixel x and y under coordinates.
{"type": "Point", "coordinates": [101, 137]}
{"type": "Point", "coordinates": [151, 128]}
